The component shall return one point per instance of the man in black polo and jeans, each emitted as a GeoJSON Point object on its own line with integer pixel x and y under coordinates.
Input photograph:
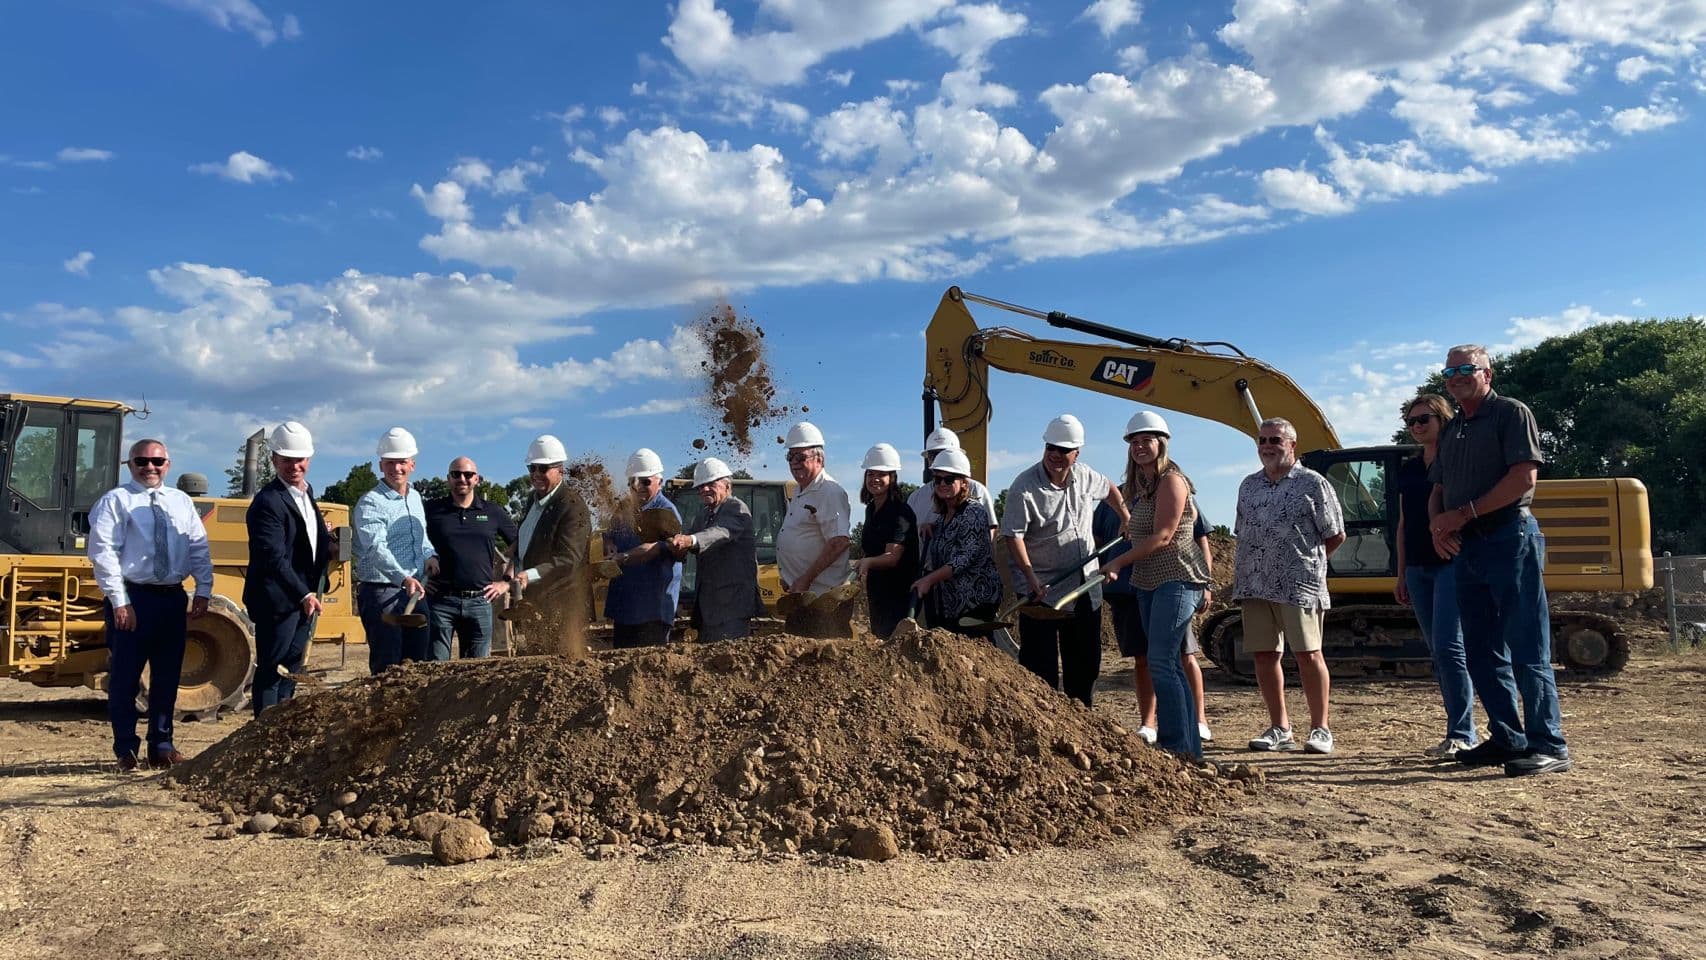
{"type": "Point", "coordinates": [464, 527]}
{"type": "Point", "coordinates": [1489, 459]}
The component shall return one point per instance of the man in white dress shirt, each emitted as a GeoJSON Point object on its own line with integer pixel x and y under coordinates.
{"type": "Point", "coordinates": [145, 539]}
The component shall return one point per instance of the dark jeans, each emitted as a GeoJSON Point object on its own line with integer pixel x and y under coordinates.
{"type": "Point", "coordinates": [468, 619]}
{"type": "Point", "coordinates": [726, 630]}
{"type": "Point", "coordinates": [1066, 654]}
{"type": "Point", "coordinates": [157, 641]}
{"type": "Point", "coordinates": [1507, 634]}
{"type": "Point", "coordinates": [280, 638]}
{"type": "Point", "coordinates": [387, 645]}
{"type": "Point", "coordinates": [653, 634]}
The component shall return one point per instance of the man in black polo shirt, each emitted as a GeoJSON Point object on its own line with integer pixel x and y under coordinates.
{"type": "Point", "coordinates": [1484, 476]}
{"type": "Point", "coordinates": [464, 527]}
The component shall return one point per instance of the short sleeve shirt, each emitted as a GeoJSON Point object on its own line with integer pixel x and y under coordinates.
{"type": "Point", "coordinates": [1056, 524]}
{"type": "Point", "coordinates": [1476, 452]}
{"type": "Point", "coordinates": [1282, 532]}
{"type": "Point", "coordinates": [817, 514]}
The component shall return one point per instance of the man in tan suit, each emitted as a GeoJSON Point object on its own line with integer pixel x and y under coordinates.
{"type": "Point", "coordinates": [552, 570]}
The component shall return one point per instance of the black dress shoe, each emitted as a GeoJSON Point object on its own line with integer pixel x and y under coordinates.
{"type": "Point", "coordinates": [1537, 763]}
{"type": "Point", "coordinates": [164, 759]}
{"type": "Point", "coordinates": [127, 763]}
{"type": "Point", "coordinates": [1487, 754]}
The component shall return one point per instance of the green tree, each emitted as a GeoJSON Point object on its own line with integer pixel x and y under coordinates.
{"type": "Point", "coordinates": [1622, 400]}
{"type": "Point", "coordinates": [234, 473]}
{"type": "Point", "coordinates": [1000, 505]}
{"type": "Point", "coordinates": [347, 491]}
{"type": "Point", "coordinates": [432, 488]}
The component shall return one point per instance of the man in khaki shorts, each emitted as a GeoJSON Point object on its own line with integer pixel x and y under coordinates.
{"type": "Point", "coordinates": [1289, 523]}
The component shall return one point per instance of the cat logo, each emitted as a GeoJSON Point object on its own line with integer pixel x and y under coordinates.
{"type": "Point", "coordinates": [1125, 372]}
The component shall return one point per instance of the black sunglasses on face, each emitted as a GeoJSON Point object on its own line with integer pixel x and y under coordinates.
{"type": "Point", "coordinates": [1269, 441]}
{"type": "Point", "coordinates": [1418, 419]}
{"type": "Point", "coordinates": [540, 467]}
{"type": "Point", "coordinates": [149, 461]}
{"type": "Point", "coordinates": [942, 478]}
{"type": "Point", "coordinates": [463, 474]}
{"type": "Point", "coordinates": [1461, 370]}
{"type": "Point", "coordinates": [1053, 448]}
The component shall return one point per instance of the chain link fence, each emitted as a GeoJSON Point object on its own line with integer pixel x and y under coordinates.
{"type": "Point", "coordinates": [1684, 583]}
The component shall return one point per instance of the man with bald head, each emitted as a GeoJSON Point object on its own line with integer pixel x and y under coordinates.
{"type": "Point", "coordinates": [465, 527]}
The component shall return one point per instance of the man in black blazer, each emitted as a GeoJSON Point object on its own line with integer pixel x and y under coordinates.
{"type": "Point", "coordinates": [554, 539]}
{"type": "Point", "coordinates": [289, 550]}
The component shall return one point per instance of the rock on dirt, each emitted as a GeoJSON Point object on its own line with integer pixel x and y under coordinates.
{"type": "Point", "coordinates": [261, 823]}
{"type": "Point", "coordinates": [875, 842]}
{"type": "Point", "coordinates": [461, 841]}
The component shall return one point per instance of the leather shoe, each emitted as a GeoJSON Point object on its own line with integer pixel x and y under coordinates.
{"type": "Point", "coordinates": [1487, 754]}
{"type": "Point", "coordinates": [165, 759]}
{"type": "Point", "coordinates": [1537, 763]}
{"type": "Point", "coordinates": [127, 763]}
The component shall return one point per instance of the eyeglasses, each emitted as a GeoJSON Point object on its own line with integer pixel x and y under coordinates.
{"type": "Point", "coordinates": [800, 457]}
{"type": "Point", "coordinates": [541, 467]}
{"type": "Point", "coordinates": [947, 478]}
{"type": "Point", "coordinates": [1269, 441]}
{"type": "Point", "coordinates": [463, 474]}
{"type": "Point", "coordinates": [1418, 419]}
{"type": "Point", "coordinates": [149, 461]}
{"type": "Point", "coordinates": [1461, 370]}
{"type": "Point", "coordinates": [1056, 448]}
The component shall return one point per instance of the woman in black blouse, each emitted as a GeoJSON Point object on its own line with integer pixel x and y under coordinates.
{"type": "Point", "coordinates": [962, 581]}
{"type": "Point", "coordinates": [889, 541]}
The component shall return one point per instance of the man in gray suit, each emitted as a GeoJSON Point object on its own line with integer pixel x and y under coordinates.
{"type": "Point", "coordinates": [727, 586]}
{"type": "Point", "coordinates": [552, 571]}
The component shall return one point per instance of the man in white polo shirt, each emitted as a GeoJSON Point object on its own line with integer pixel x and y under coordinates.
{"type": "Point", "coordinates": [811, 549]}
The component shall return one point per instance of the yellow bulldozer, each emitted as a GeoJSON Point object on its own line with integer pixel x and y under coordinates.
{"type": "Point", "coordinates": [57, 456]}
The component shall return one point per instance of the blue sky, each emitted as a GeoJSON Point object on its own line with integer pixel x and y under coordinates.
{"type": "Point", "coordinates": [486, 221]}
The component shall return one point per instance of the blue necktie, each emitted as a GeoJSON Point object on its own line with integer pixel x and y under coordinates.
{"type": "Point", "coordinates": [162, 563]}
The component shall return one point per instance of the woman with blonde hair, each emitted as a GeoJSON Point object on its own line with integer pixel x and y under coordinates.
{"type": "Point", "coordinates": [1169, 571]}
{"type": "Point", "coordinates": [961, 581]}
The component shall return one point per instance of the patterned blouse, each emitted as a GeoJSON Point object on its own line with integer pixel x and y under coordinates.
{"type": "Point", "coordinates": [963, 543]}
{"type": "Point", "coordinates": [1180, 559]}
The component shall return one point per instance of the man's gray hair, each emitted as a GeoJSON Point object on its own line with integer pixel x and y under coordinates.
{"type": "Point", "coordinates": [1474, 352]}
{"type": "Point", "coordinates": [145, 443]}
{"type": "Point", "coordinates": [1283, 424]}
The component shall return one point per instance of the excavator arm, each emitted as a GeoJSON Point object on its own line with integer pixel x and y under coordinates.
{"type": "Point", "coordinates": [1215, 381]}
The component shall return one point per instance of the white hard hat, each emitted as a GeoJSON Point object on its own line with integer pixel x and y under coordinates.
{"type": "Point", "coordinates": [804, 434]}
{"type": "Point", "coordinates": [941, 438]}
{"type": "Point", "coordinates": [952, 461]}
{"type": "Point", "coordinates": [546, 449]}
{"type": "Point", "coordinates": [1146, 421]}
{"type": "Point", "coordinates": [291, 439]}
{"type": "Point", "coordinates": [882, 457]}
{"type": "Point", "coordinates": [709, 469]}
{"type": "Point", "coordinates": [644, 463]}
{"type": "Point", "coordinates": [397, 444]}
{"type": "Point", "coordinates": [1064, 431]}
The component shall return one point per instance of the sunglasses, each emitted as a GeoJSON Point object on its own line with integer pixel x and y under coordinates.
{"type": "Point", "coordinates": [463, 474]}
{"type": "Point", "coordinates": [149, 461]}
{"type": "Point", "coordinates": [942, 478]}
{"type": "Point", "coordinates": [1418, 419]}
{"type": "Point", "coordinates": [1461, 370]}
{"type": "Point", "coordinates": [541, 467]}
{"type": "Point", "coordinates": [1053, 448]}
{"type": "Point", "coordinates": [1269, 441]}
{"type": "Point", "coordinates": [800, 457]}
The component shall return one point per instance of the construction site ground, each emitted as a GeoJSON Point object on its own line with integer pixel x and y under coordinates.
{"type": "Point", "coordinates": [1371, 852]}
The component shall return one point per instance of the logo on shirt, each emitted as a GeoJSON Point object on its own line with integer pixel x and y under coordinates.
{"type": "Point", "coordinates": [1125, 372]}
{"type": "Point", "coordinates": [1052, 358]}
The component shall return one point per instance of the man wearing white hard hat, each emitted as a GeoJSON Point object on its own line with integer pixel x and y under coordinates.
{"type": "Point", "coordinates": [289, 550]}
{"type": "Point", "coordinates": [1048, 527]}
{"type": "Point", "coordinates": [811, 549]}
{"type": "Point", "coordinates": [888, 539]}
{"type": "Point", "coordinates": [393, 556]}
{"type": "Point", "coordinates": [551, 556]}
{"type": "Point", "coordinates": [640, 603]}
{"type": "Point", "coordinates": [726, 578]}
{"type": "Point", "coordinates": [923, 502]}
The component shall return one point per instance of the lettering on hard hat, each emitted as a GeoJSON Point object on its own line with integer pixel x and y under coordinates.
{"type": "Point", "coordinates": [1049, 358]}
{"type": "Point", "coordinates": [1125, 372]}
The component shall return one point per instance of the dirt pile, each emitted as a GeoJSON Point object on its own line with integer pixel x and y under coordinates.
{"type": "Point", "coordinates": [739, 387]}
{"type": "Point", "coordinates": [781, 744]}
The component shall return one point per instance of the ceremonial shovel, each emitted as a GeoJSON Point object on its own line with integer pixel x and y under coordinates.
{"type": "Point", "coordinates": [408, 619]}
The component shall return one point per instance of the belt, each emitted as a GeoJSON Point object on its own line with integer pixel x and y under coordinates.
{"type": "Point", "coordinates": [466, 594]}
{"type": "Point", "coordinates": [133, 587]}
{"type": "Point", "coordinates": [1489, 523]}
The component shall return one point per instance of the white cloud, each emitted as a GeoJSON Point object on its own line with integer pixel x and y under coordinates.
{"type": "Point", "coordinates": [1641, 119]}
{"type": "Point", "coordinates": [240, 15]}
{"type": "Point", "coordinates": [840, 78]}
{"type": "Point", "coordinates": [1661, 27]}
{"type": "Point", "coordinates": [1632, 69]}
{"type": "Point", "coordinates": [243, 167]}
{"type": "Point", "coordinates": [610, 116]}
{"type": "Point", "coordinates": [513, 178]}
{"type": "Point", "coordinates": [979, 28]}
{"type": "Point", "coordinates": [447, 201]}
{"type": "Point", "coordinates": [84, 155]}
{"type": "Point", "coordinates": [359, 152]}
{"type": "Point", "coordinates": [79, 264]}
{"type": "Point", "coordinates": [1132, 59]}
{"type": "Point", "coordinates": [1447, 116]}
{"type": "Point", "coordinates": [1302, 191]}
{"type": "Point", "coordinates": [471, 172]}
{"type": "Point", "coordinates": [649, 408]}
{"type": "Point", "coordinates": [1523, 332]}
{"type": "Point", "coordinates": [1111, 16]}
{"type": "Point", "coordinates": [705, 41]}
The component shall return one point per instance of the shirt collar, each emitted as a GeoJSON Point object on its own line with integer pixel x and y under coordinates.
{"type": "Point", "coordinates": [541, 501]}
{"type": "Point", "coordinates": [822, 475]}
{"type": "Point", "coordinates": [390, 494]}
{"type": "Point", "coordinates": [136, 487]}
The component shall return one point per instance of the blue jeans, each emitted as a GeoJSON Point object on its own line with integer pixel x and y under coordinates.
{"type": "Point", "coordinates": [1507, 635]}
{"type": "Point", "coordinates": [1433, 595]}
{"type": "Point", "coordinates": [1167, 612]}
{"type": "Point", "coordinates": [468, 619]}
{"type": "Point", "coordinates": [157, 641]}
{"type": "Point", "coordinates": [387, 645]}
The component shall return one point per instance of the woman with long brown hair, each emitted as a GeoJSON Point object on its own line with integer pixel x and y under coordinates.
{"type": "Point", "coordinates": [961, 581]}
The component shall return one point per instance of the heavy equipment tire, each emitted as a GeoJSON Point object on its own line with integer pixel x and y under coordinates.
{"type": "Point", "coordinates": [219, 662]}
{"type": "Point", "coordinates": [1588, 645]}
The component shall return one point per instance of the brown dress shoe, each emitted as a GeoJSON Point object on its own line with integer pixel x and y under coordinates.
{"type": "Point", "coordinates": [127, 763]}
{"type": "Point", "coordinates": [165, 759]}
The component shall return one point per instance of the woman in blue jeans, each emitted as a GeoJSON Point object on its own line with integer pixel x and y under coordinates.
{"type": "Point", "coordinates": [1168, 570]}
{"type": "Point", "coordinates": [1426, 581]}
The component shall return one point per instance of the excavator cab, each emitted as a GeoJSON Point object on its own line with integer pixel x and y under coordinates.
{"type": "Point", "coordinates": [56, 458]}
{"type": "Point", "coordinates": [1362, 479]}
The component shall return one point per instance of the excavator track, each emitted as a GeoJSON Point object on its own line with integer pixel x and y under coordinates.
{"type": "Point", "coordinates": [1385, 641]}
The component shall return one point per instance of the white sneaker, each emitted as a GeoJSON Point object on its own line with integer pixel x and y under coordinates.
{"type": "Point", "coordinates": [1274, 738]}
{"type": "Point", "coordinates": [1147, 735]}
{"type": "Point", "coordinates": [1320, 741]}
{"type": "Point", "coordinates": [1446, 749]}
{"type": "Point", "coordinates": [1203, 733]}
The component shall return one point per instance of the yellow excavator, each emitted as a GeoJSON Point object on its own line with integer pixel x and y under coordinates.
{"type": "Point", "coordinates": [57, 456]}
{"type": "Point", "coordinates": [1597, 531]}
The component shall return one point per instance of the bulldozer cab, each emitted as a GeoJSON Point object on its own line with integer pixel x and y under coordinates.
{"type": "Point", "coordinates": [1363, 480]}
{"type": "Point", "coordinates": [57, 456]}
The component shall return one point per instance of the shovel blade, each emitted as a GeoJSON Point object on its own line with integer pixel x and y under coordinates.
{"type": "Point", "coordinates": [657, 523]}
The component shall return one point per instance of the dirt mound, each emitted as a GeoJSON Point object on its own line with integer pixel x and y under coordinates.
{"type": "Point", "coordinates": [739, 386]}
{"type": "Point", "coordinates": [781, 744]}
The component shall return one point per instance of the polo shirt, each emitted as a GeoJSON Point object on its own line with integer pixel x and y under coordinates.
{"type": "Point", "coordinates": [466, 538]}
{"type": "Point", "coordinates": [818, 513]}
{"type": "Point", "coordinates": [1476, 452]}
{"type": "Point", "coordinates": [1056, 525]}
